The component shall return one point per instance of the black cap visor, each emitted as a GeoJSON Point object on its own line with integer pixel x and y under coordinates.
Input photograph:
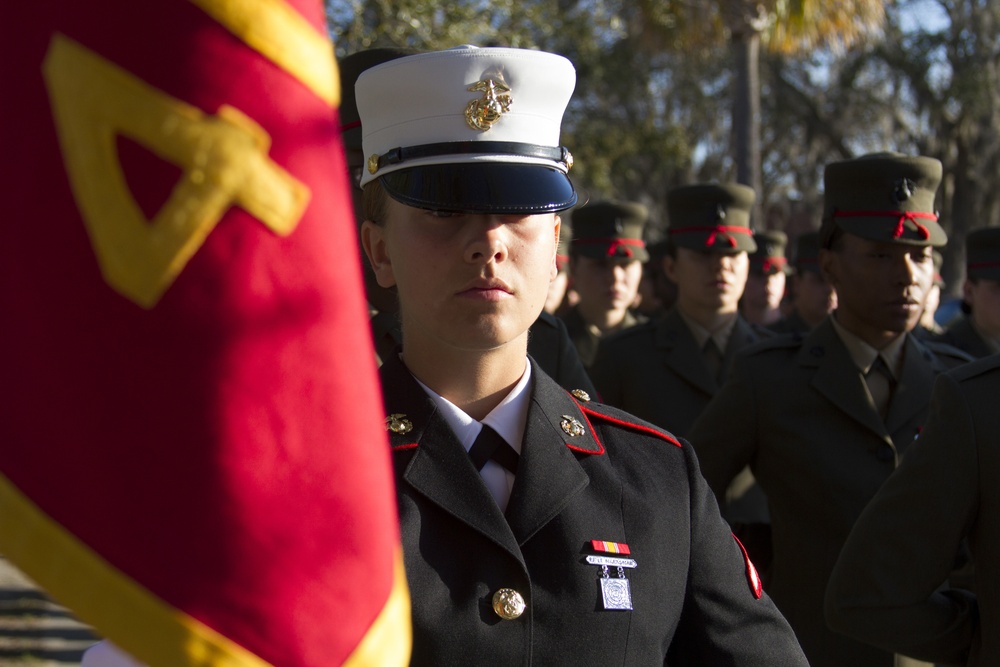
{"type": "Point", "coordinates": [482, 187]}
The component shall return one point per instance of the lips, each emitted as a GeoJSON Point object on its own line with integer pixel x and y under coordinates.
{"type": "Point", "coordinates": [488, 288]}
{"type": "Point", "coordinates": [904, 304]}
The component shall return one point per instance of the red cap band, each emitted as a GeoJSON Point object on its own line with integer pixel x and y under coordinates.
{"type": "Point", "coordinates": [900, 225]}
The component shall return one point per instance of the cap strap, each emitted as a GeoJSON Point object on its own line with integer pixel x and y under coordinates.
{"type": "Point", "coordinates": [903, 216]}
{"type": "Point", "coordinates": [614, 244]}
{"type": "Point", "coordinates": [401, 154]}
{"type": "Point", "coordinates": [714, 231]}
{"type": "Point", "coordinates": [777, 263]}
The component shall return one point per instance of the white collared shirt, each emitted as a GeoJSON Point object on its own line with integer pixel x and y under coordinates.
{"type": "Point", "coordinates": [508, 419]}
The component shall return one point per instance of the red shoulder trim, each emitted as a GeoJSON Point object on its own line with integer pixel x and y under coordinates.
{"type": "Point", "coordinates": [756, 587]}
{"type": "Point", "coordinates": [397, 448]}
{"type": "Point", "coordinates": [634, 427]}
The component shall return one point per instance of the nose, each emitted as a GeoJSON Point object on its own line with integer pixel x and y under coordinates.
{"type": "Point", "coordinates": [618, 273]}
{"type": "Point", "coordinates": [907, 270]}
{"type": "Point", "coordinates": [722, 261]}
{"type": "Point", "coordinates": [488, 242]}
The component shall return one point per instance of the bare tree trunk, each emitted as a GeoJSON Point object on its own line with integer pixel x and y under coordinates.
{"type": "Point", "coordinates": [745, 46]}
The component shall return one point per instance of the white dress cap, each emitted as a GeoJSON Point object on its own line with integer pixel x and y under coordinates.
{"type": "Point", "coordinates": [494, 111]}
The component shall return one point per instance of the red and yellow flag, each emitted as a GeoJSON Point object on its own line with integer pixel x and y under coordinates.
{"type": "Point", "coordinates": [191, 449]}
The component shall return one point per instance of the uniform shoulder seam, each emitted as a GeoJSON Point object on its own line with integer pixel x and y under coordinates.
{"type": "Point", "coordinates": [947, 350]}
{"type": "Point", "coordinates": [610, 414]}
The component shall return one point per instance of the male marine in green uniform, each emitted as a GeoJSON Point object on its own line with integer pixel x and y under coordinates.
{"type": "Point", "coordinates": [605, 264]}
{"type": "Point", "coordinates": [824, 419]}
{"type": "Point", "coordinates": [813, 298]}
{"type": "Point", "coordinates": [666, 371]}
{"type": "Point", "coordinates": [761, 302]}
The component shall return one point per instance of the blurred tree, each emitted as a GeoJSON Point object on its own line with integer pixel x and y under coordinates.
{"type": "Point", "coordinates": [655, 96]}
{"type": "Point", "coordinates": [745, 25]}
{"type": "Point", "coordinates": [938, 85]}
{"type": "Point", "coordinates": [631, 139]}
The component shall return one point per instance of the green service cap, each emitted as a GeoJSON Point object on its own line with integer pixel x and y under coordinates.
{"type": "Point", "coordinates": [883, 197]}
{"type": "Point", "coordinates": [807, 252]}
{"type": "Point", "coordinates": [982, 254]}
{"type": "Point", "coordinates": [711, 217]}
{"type": "Point", "coordinates": [351, 68]}
{"type": "Point", "coordinates": [769, 258]}
{"type": "Point", "coordinates": [610, 229]}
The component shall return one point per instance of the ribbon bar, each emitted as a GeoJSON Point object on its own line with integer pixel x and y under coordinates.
{"type": "Point", "coordinates": [610, 547]}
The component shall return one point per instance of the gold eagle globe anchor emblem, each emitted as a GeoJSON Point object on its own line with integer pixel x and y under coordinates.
{"type": "Point", "coordinates": [481, 114]}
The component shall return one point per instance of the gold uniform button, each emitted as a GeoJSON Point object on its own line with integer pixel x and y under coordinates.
{"type": "Point", "coordinates": [508, 604]}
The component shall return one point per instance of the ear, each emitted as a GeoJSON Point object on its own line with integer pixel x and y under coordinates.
{"type": "Point", "coordinates": [374, 242]}
{"type": "Point", "coordinates": [555, 249]}
{"type": "Point", "coordinates": [967, 288]}
{"type": "Point", "coordinates": [829, 266]}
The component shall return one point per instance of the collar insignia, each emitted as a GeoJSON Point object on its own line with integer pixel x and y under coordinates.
{"type": "Point", "coordinates": [572, 426]}
{"type": "Point", "coordinates": [398, 424]}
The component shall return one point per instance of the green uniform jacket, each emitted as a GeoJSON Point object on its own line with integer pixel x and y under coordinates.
{"type": "Point", "coordinates": [621, 480]}
{"type": "Point", "coordinates": [585, 340]}
{"type": "Point", "coordinates": [656, 371]}
{"type": "Point", "coordinates": [793, 323]}
{"type": "Point", "coordinates": [962, 335]}
{"type": "Point", "coordinates": [796, 409]}
{"type": "Point", "coordinates": [549, 344]}
{"type": "Point", "coordinates": [884, 589]}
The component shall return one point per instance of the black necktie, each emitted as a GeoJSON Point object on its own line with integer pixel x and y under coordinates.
{"type": "Point", "coordinates": [489, 445]}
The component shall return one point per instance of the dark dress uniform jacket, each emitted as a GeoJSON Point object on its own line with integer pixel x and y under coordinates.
{"type": "Point", "coordinates": [962, 335]}
{"type": "Point", "coordinates": [904, 545]}
{"type": "Point", "coordinates": [798, 411]}
{"type": "Point", "coordinates": [656, 372]}
{"type": "Point", "coordinates": [623, 481]}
